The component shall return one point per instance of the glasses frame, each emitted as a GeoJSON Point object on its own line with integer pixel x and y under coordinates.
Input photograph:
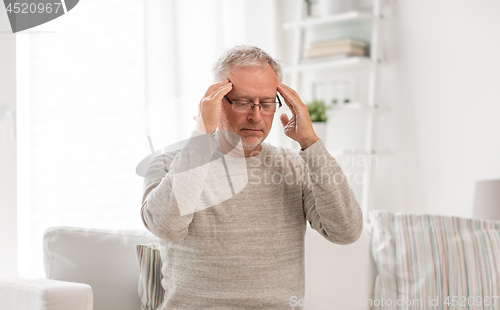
{"type": "Point", "coordinates": [253, 105]}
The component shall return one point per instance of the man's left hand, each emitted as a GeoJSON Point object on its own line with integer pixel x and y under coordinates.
{"type": "Point", "coordinates": [299, 127]}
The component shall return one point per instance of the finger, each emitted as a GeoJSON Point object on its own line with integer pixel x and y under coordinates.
{"type": "Point", "coordinates": [215, 86]}
{"type": "Point", "coordinates": [284, 119]}
{"type": "Point", "coordinates": [290, 105]}
{"type": "Point", "coordinates": [222, 91]}
{"type": "Point", "coordinates": [285, 91]}
{"type": "Point", "coordinates": [292, 98]}
{"type": "Point", "coordinates": [215, 98]}
{"type": "Point", "coordinates": [286, 95]}
{"type": "Point", "coordinates": [291, 94]}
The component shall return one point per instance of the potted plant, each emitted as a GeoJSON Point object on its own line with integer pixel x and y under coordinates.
{"type": "Point", "coordinates": [317, 113]}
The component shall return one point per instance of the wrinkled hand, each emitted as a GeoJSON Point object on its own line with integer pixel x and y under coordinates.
{"type": "Point", "coordinates": [207, 119]}
{"type": "Point", "coordinates": [299, 127]}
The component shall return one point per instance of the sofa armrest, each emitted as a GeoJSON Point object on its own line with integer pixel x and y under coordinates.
{"type": "Point", "coordinates": [339, 276]}
{"type": "Point", "coordinates": [44, 294]}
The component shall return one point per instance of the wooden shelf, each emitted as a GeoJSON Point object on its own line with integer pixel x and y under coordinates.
{"type": "Point", "coordinates": [329, 64]}
{"type": "Point", "coordinates": [356, 107]}
{"type": "Point", "coordinates": [301, 71]}
{"type": "Point", "coordinates": [353, 16]}
{"type": "Point", "coordinates": [334, 152]}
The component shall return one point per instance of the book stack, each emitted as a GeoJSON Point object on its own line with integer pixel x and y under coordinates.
{"type": "Point", "coordinates": [336, 49]}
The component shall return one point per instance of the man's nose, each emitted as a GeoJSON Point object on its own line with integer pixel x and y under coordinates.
{"type": "Point", "coordinates": [255, 114]}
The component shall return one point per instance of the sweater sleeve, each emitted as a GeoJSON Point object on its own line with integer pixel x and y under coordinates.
{"type": "Point", "coordinates": [172, 187]}
{"type": "Point", "coordinates": [329, 202]}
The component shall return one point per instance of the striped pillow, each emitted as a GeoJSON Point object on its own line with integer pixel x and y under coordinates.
{"type": "Point", "coordinates": [150, 276]}
{"type": "Point", "coordinates": [435, 262]}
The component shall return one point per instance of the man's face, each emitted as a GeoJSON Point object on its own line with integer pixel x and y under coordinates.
{"type": "Point", "coordinates": [253, 84]}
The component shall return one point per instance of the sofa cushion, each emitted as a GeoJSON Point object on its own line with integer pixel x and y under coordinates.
{"type": "Point", "coordinates": [104, 259]}
{"type": "Point", "coordinates": [435, 262]}
{"type": "Point", "coordinates": [150, 288]}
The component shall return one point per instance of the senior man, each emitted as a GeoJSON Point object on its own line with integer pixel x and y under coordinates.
{"type": "Point", "coordinates": [245, 250]}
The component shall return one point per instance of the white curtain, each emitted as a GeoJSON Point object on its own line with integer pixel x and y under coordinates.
{"type": "Point", "coordinates": [96, 75]}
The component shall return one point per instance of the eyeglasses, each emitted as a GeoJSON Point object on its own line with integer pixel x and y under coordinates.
{"type": "Point", "coordinates": [247, 106]}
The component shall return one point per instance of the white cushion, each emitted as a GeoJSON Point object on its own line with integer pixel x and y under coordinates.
{"type": "Point", "coordinates": [104, 259]}
{"type": "Point", "coordinates": [339, 276]}
{"type": "Point", "coordinates": [435, 262]}
{"type": "Point", "coordinates": [150, 288]}
{"type": "Point", "coordinates": [44, 294]}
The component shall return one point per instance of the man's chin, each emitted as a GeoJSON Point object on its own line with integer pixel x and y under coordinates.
{"type": "Point", "coordinates": [251, 143]}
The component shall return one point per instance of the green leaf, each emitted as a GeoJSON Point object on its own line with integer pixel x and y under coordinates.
{"type": "Point", "coordinates": [317, 110]}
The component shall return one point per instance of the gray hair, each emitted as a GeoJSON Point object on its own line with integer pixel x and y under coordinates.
{"type": "Point", "coordinates": [245, 56]}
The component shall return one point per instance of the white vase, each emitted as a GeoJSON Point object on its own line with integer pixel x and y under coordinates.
{"type": "Point", "coordinates": [332, 7]}
{"type": "Point", "coordinates": [320, 130]}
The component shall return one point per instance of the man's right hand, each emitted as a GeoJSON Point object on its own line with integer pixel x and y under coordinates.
{"type": "Point", "coordinates": [207, 119]}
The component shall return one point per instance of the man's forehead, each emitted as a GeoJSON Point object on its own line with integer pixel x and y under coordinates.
{"type": "Point", "coordinates": [240, 90]}
{"type": "Point", "coordinates": [251, 81]}
{"type": "Point", "coordinates": [242, 95]}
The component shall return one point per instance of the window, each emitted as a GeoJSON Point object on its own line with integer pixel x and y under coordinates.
{"type": "Point", "coordinates": [92, 73]}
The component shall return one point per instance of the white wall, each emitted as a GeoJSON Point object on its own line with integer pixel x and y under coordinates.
{"type": "Point", "coordinates": [442, 82]}
{"type": "Point", "coordinates": [8, 227]}
{"type": "Point", "coordinates": [439, 78]}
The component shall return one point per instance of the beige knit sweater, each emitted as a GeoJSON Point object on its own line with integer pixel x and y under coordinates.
{"type": "Point", "coordinates": [245, 252]}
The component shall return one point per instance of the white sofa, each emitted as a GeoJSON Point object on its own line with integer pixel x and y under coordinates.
{"type": "Point", "coordinates": [428, 261]}
{"type": "Point", "coordinates": [82, 265]}
{"type": "Point", "coordinates": [86, 269]}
